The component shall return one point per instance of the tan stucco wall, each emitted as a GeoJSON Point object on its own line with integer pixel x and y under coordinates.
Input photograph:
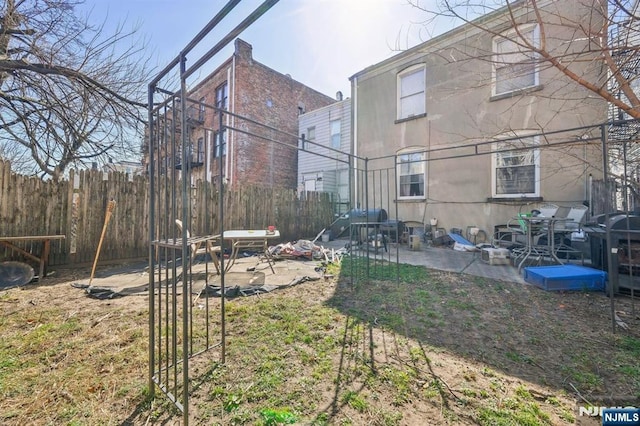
{"type": "Point", "coordinates": [460, 112]}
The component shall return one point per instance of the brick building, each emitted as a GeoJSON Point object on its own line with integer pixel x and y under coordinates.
{"type": "Point", "coordinates": [260, 122]}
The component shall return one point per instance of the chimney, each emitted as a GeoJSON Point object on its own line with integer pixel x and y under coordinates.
{"type": "Point", "coordinates": [243, 49]}
{"type": "Point", "coordinates": [339, 95]}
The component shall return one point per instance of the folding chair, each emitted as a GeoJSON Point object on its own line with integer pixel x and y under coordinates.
{"type": "Point", "coordinates": [548, 210]}
{"type": "Point", "coordinates": [576, 217]}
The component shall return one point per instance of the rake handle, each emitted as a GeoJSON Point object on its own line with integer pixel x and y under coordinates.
{"type": "Point", "coordinates": [110, 207]}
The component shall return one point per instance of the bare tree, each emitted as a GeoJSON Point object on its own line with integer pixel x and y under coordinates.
{"type": "Point", "coordinates": [609, 38]}
{"type": "Point", "coordinates": [69, 94]}
{"type": "Point", "coordinates": [598, 49]}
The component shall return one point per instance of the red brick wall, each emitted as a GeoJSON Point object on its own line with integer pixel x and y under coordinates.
{"type": "Point", "coordinates": [268, 97]}
{"type": "Point", "coordinates": [264, 96]}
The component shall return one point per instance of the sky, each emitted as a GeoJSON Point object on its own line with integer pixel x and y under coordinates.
{"type": "Point", "coordinates": [320, 43]}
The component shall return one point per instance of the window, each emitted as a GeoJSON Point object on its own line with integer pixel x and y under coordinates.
{"type": "Point", "coordinates": [220, 147]}
{"type": "Point", "coordinates": [342, 184]}
{"type": "Point", "coordinates": [202, 109]}
{"type": "Point", "coordinates": [514, 67]}
{"type": "Point", "coordinates": [335, 133]}
{"type": "Point", "coordinates": [516, 172]}
{"type": "Point", "coordinates": [311, 135]}
{"type": "Point", "coordinates": [411, 92]}
{"type": "Point", "coordinates": [222, 94]}
{"type": "Point", "coordinates": [411, 173]}
{"type": "Point", "coordinates": [200, 151]}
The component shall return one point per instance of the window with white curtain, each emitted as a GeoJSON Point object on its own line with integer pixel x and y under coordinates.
{"type": "Point", "coordinates": [411, 175]}
{"type": "Point", "coordinates": [411, 92]}
{"type": "Point", "coordinates": [516, 168]}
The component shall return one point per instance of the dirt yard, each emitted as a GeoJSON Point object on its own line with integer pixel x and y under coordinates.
{"type": "Point", "coordinates": [437, 348]}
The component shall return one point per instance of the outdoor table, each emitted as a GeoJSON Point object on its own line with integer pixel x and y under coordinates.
{"type": "Point", "coordinates": [43, 258]}
{"type": "Point", "coordinates": [547, 250]}
{"type": "Point", "coordinates": [247, 240]}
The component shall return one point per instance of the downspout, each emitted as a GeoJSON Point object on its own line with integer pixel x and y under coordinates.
{"type": "Point", "coordinates": [208, 142]}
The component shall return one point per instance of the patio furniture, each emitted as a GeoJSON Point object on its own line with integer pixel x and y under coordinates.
{"type": "Point", "coordinates": [541, 250]}
{"type": "Point", "coordinates": [548, 210]}
{"type": "Point", "coordinates": [515, 235]}
{"type": "Point", "coordinates": [575, 219]}
{"type": "Point", "coordinates": [42, 258]}
{"type": "Point", "coordinates": [249, 239]}
{"type": "Point", "coordinates": [203, 245]}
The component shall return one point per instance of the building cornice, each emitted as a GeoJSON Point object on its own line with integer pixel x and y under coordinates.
{"type": "Point", "coordinates": [450, 38]}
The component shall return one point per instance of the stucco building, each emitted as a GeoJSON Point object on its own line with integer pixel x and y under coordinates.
{"type": "Point", "coordinates": [461, 119]}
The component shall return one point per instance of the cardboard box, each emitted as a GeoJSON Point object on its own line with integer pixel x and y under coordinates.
{"type": "Point", "coordinates": [495, 256]}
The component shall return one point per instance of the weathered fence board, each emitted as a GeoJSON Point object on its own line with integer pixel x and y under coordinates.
{"type": "Point", "coordinates": [76, 207]}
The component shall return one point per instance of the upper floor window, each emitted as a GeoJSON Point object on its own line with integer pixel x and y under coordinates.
{"type": "Point", "coordinates": [411, 92]}
{"type": "Point", "coordinates": [514, 65]}
{"type": "Point", "coordinates": [222, 94]}
{"type": "Point", "coordinates": [411, 175]}
{"type": "Point", "coordinates": [516, 168]}
{"type": "Point", "coordinates": [335, 134]}
{"type": "Point", "coordinates": [202, 109]}
{"type": "Point", "coordinates": [311, 135]}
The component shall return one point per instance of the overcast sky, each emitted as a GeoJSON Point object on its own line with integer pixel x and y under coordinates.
{"type": "Point", "coordinates": [320, 43]}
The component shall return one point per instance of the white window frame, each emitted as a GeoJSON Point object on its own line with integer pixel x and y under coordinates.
{"type": "Point", "coordinates": [418, 95]}
{"type": "Point", "coordinates": [418, 166]}
{"type": "Point", "coordinates": [514, 57]}
{"type": "Point", "coordinates": [310, 136]}
{"type": "Point", "coordinates": [501, 149]}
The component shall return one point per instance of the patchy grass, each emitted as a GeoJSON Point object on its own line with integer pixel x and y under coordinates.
{"type": "Point", "coordinates": [417, 347]}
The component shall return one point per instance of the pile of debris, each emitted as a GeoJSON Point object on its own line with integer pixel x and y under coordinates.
{"type": "Point", "coordinates": [306, 249]}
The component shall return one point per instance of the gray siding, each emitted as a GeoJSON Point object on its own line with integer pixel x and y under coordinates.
{"type": "Point", "coordinates": [328, 162]}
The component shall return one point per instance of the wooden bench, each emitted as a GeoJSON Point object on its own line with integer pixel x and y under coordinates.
{"type": "Point", "coordinates": [43, 258]}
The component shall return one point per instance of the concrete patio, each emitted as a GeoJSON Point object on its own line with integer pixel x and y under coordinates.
{"type": "Point", "coordinates": [442, 258]}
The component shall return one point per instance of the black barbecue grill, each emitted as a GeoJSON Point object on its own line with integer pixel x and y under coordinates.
{"type": "Point", "coordinates": [625, 237]}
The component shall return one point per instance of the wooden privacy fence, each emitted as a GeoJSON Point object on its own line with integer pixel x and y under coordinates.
{"type": "Point", "coordinates": [76, 207]}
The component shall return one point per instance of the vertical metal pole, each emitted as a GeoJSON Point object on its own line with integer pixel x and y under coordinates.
{"type": "Point", "coordinates": [366, 209]}
{"type": "Point", "coordinates": [186, 218]}
{"type": "Point", "coordinates": [221, 144]}
{"type": "Point", "coordinates": [152, 200]}
{"type": "Point", "coordinates": [626, 209]}
{"type": "Point", "coordinates": [395, 191]}
{"type": "Point", "coordinates": [611, 287]}
{"type": "Point", "coordinates": [352, 172]}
